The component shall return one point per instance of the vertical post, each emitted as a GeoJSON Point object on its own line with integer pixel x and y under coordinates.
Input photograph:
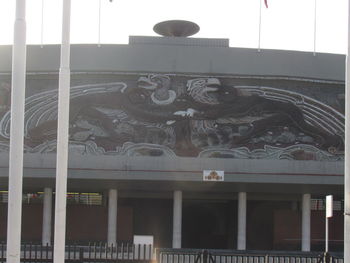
{"type": "Point", "coordinates": [42, 25]}
{"type": "Point", "coordinates": [177, 219]}
{"type": "Point", "coordinates": [99, 23]}
{"type": "Point", "coordinates": [306, 223]}
{"type": "Point", "coordinates": [81, 254]}
{"type": "Point", "coordinates": [329, 213]}
{"type": "Point", "coordinates": [47, 212]}
{"type": "Point", "coordinates": [112, 217]}
{"type": "Point", "coordinates": [326, 236]}
{"type": "Point", "coordinates": [315, 25]}
{"type": "Point", "coordinates": [347, 153]}
{"type": "Point", "coordinates": [242, 215]}
{"type": "Point", "coordinates": [259, 40]}
{"type": "Point", "coordinates": [16, 136]}
{"type": "Point", "coordinates": [62, 138]}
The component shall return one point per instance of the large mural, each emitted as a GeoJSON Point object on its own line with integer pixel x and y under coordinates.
{"type": "Point", "coordinates": [154, 115]}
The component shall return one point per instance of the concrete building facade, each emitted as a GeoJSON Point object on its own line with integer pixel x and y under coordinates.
{"type": "Point", "coordinates": [148, 120]}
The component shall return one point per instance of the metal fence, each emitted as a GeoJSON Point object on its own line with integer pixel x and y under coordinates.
{"type": "Point", "coordinates": [101, 252]}
{"type": "Point", "coordinates": [131, 253]}
{"type": "Point", "coordinates": [234, 256]}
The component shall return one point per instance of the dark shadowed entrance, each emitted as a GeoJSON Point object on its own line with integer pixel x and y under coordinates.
{"type": "Point", "coordinates": [207, 224]}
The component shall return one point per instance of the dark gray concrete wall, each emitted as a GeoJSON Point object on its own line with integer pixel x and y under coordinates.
{"type": "Point", "coordinates": [183, 59]}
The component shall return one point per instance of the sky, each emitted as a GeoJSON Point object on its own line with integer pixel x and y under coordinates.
{"type": "Point", "coordinates": [285, 24]}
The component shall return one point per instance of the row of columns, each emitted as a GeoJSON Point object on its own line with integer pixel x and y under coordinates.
{"type": "Point", "coordinates": [177, 219]}
{"type": "Point", "coordinates": [305, 219]}
{"type": "Point", "coordinates": [112, 216]}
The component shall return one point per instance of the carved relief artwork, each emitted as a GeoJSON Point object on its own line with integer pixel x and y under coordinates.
{"type": "Point", "coordinates": [5, 96]}
{"type": "Point", "coordinates": [200, 117]}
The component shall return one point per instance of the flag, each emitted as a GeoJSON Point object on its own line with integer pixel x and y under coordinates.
{"type": "Point", "coordinates": [266, 5]}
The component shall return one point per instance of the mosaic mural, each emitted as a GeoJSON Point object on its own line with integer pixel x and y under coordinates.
{"type": "Point", "coordinates": [200, 117]}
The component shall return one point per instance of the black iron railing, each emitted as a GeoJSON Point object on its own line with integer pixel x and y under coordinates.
{"type": "Point", "coordinates": [131, 253]}
{"type": "Point", "coordinates": [234, 256]}
{"type": "Point", "coordinates": [96, 252]}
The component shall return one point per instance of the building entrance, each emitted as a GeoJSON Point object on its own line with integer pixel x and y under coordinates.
{"type": "Point", "coordinates": [207, 224]}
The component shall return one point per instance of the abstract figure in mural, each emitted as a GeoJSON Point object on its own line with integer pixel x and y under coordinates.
{"type": "Point", "coordinates": [200, 117]}
{"type": "Point", "coordinates": [160, 85]}
{"type": "Point", "coordinates": [208, 100]}
{"type": "Point", "coordinates": [258, 113]}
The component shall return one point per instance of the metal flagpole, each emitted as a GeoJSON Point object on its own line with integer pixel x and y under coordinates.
{"type": "Point", "coordinates": [99, 23]}
{"type": "Point", "coordinates": [347, 153]}
{"type": "Point", "coordinates": [16, 136]}
{"type": "Point", "coordinates": [259, 26]}
{"type": "Point", "coordinates": [62, 138]}
{"type": "Point", "coordinates": [42, 24]}
{"type": "Point", "coordinates": [315, 25]}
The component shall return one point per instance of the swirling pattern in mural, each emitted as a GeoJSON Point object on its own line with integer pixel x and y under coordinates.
{"type": "Point", "coordinates": [203, 119]}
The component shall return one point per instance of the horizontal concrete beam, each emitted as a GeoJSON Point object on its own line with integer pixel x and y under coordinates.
{"type": "Point", "coordinates": [182, 169]}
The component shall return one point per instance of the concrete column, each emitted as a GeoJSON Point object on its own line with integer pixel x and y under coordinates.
{"type": "Point", "coordinates": [112, 217]}
{"type": "Point", "coordinates": [242, 215]}
{"type": "Point", "coordinates": [47, 212]}
{"type": "Point", "coordinates": [305, 223]}
{"type": "Point", "coordinates": [177, 219]}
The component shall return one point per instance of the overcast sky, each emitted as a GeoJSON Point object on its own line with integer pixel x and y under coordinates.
{"type": "Point", "coordinates": [286, 24]}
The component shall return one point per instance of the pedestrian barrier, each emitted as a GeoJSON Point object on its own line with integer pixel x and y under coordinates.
{"type": "Point", "coordinates": [236, 256]}
{"type": "Point", "coordinates": [96, 252]}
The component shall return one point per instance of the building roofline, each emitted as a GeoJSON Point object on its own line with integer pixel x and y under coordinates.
{"type": "Point", "coordinates": [180, 59]}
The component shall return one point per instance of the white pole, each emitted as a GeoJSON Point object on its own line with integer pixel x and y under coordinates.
{"type": "Point", "coordinates": [16, 137]}
{"type": "Point", "coordinates": [99, 23]}
{"type": "Point", "coordinates": [329, 213]}
{"type": "Point", "coordinates": [242, 220]}
{"type": "Point", "coordinates": [62, 138]}
{"type": "Point", "coordinates": [259, 26]}
{"type": "Point", "coordinates": [177, 219]}
{"type": "Point", "coordinates": [326, 238]}
{"type": "Point", "coordinates": [112, 217]}
{"type": "Point", "coordinates": [47, 212]}
{"type": "Point", "coordinates": [315, 25]}
{"type": "Point", "coordinates": [347, 154]}
{"type": "Point", "coordinates": [42, 24]}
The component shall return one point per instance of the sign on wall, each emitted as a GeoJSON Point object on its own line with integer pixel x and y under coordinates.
{"type": "Point", "coordinates": [213, 175]}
